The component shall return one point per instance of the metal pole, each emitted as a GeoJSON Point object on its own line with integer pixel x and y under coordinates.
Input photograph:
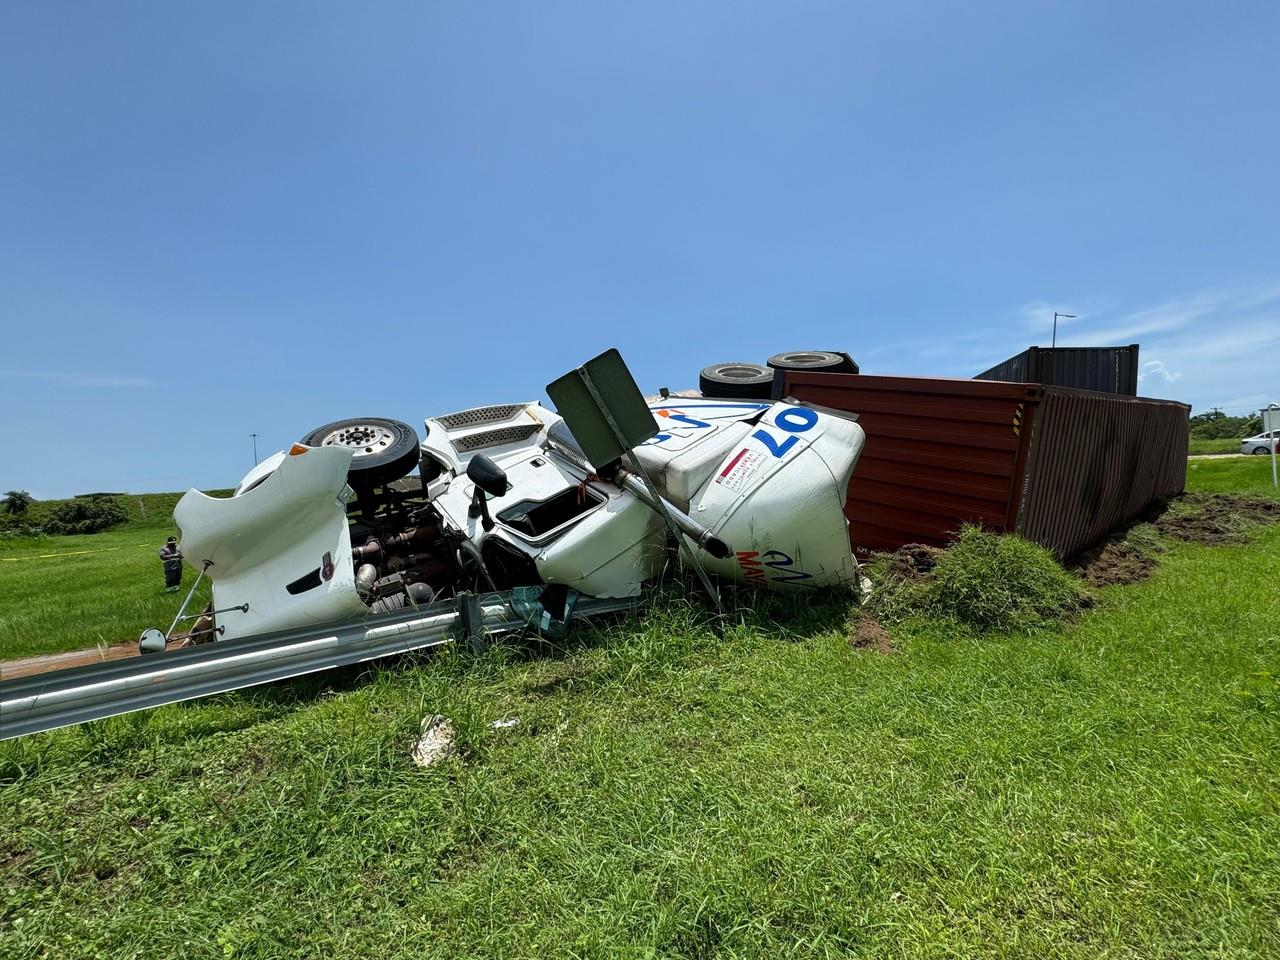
{"type": "Point", "coordinates": [1056, 315]}
{"type": "Point", "coordinates": [657, 502]}
{"type": "Point", "coordinates": [255, 448]}
{"type": "Point", "coordinates": [1275, 442]}
{"type": "Point", "coordinates": [190, 593]}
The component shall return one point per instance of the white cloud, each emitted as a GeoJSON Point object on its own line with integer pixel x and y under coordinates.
{"type": "Point", "coordinates": [1213, 348]}
{"type": "Point", "coordinates": [1173, 315]}
{"type": "Point", "coordinates": [1038, 316]}
{"type": "Point", "coordinates": [1156, 368]}
{"type": "Point", "coordinates": [76, 379]}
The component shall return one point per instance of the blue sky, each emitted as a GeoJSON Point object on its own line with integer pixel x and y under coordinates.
{"type": "Point", "coordinates": [221, 218]}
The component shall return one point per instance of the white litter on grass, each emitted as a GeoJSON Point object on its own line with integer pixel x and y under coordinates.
{"type": "Point", "coordinates": [505, 724]}
{"type": "Point", "coordinates": [436, 742]}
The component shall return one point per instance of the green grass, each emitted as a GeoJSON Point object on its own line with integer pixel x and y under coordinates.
{"type": "Point", "coordinates": [1201, 446]}
{"type": "Point", "coordinates": [1251, 475]}
{"type": "Point", "coordinates": [984, 580]}
{"type": "Point", "coordinates": [68, 593]}
{"type": "Point", "coordinates": [1109, 789]}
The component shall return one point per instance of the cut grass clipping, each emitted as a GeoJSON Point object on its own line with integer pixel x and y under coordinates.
{"type": "Point", "coordinates": [985, 581]}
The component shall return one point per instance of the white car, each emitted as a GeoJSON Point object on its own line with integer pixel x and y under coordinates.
{"type": "Point", "coordinates": [334, 528]}
{"type": "Point", "coordinates": [1260, 444]}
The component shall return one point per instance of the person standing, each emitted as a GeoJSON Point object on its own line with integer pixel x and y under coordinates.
{"type": "Point", "coordinates": [171, 556]}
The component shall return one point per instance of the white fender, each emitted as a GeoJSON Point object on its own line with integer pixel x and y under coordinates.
{"type": "Point", "coordinates": [267, 545]}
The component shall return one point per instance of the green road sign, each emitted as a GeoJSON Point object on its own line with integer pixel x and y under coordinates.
{"type": "Point", "coordinates": [600, 391]}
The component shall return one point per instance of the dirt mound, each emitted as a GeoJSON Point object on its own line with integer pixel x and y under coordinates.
{"type": "Point", "coordinates": [1114, 562]}
{"type": "Point", "coordinates": [1218, 519]}
{"type": "Point", "coordinates": [867, 634]}
{"type": "Point", "coordinates": [1129, 556]}
{"type": "Point", "coordinates": [914, 561]}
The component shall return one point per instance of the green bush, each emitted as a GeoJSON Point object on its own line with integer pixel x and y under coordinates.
{"type": "Point", "coordinates": [1217, 426]}
{"type": "Point", "coordinates": [986, 581]}
{"type": "Point", "coordinates": [14, 531]}
{"type": "Point", "coordinates": [85, 516]}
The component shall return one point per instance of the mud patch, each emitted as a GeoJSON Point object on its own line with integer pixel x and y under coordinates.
{"type": "Point", "coordinates": [868, 634]}
{"type": "Point", "coordinates": [1114, 562]}
{"type": "Point", "coordinates": [913, 561]}
{"type": "Point", "coordinates": [1219, 519]}
{"type": "Point", "coordinates": [1130, 556]}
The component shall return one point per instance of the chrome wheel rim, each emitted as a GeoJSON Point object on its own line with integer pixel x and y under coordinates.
{"type": "Point", "coordinates": [363, 439]}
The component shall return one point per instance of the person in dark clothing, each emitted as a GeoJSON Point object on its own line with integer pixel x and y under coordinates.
{"type": "Point", "coordinates": [171, 555]}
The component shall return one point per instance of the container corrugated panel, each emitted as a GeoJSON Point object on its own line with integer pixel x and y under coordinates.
{"type": "Point", "coordinates": [1014, 370]}
{"type": "Point", "coordinates": [1096, 462]}
{"type": "Point", "coordinates": [1062, 467]}
{"type": "Point", "coordinates": [1107, 369]}
{"type": "Point", "coordinates": [939, 453]}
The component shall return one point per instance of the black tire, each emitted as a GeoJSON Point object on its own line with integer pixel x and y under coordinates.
{"type": "Point", "coordinates": [383, 450]}
{"type": "Point", "coordinates": [750, 381]}
{"type": "Point", "coordinates": [814, 361]}
{"type": "Point", "coordinates": [1260, 451]}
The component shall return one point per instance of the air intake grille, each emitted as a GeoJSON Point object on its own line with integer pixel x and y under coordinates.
{"type": "Point", "coordinates": [495, 438]}
{"type": "Point", "coordinates": [480, 416]}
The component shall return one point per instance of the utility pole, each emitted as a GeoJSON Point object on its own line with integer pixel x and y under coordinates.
{"type": "Point", "coordinates": [1275, 441]}
{"type": "Point", "coordinates": [1064, 316]}
{"type": "Point", "coordinates": [255, 448]}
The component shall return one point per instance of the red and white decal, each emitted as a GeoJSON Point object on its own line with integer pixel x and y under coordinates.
{"type": "Point", "coordinates": [739, 470]}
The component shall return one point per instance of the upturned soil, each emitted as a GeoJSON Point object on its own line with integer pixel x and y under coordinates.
{"type": "Point", "coordinates": [1208, 519]}
{"type": "Point", "coordinates": [913, 561]}
{"type": "Point", "coordinates": [1220, 518]}
{"type": "Point", "coordinates": [1114, 561]}
{"type": "Point", "coordinates": [867, 633]}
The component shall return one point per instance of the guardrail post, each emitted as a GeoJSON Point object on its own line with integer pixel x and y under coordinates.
{"type": "Point", "coordinates": [471, 622]}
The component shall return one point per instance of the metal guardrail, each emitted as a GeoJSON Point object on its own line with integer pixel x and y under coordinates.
{"type": "Point", "coordinates": [64, 697]}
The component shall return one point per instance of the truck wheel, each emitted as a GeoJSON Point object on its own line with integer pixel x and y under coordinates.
{"type": "Point", "coordinates": [739, 380]}
{"type": "Point", "coordinates": [814, 361]}
{"type": "Point", "coordinates": [382, 450]}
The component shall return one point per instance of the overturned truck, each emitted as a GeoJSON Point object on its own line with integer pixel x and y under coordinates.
{"type": "Point", "coordinates": [339, 526]}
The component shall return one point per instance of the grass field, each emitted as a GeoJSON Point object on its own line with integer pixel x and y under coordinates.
{"type": "Point", "coordinates": [67, 593]}
{"type": "Point", "coordinates": [1106, 789]}
{"type": "Point", "coordinates": [1198, 446]}
{"type": "Point", "coordinates": [1250, 475]}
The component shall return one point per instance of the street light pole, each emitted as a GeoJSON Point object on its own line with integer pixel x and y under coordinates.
{"type": "Point", "coordinates": [1275, 442]}
{"type": "Point", "coordinates": [255, 448]}
{"type": "Point", "coordinates": [1064, 316]}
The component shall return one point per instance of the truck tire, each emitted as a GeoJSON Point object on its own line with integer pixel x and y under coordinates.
{"type": "Point", "coordinates": [814, 361]}
{"type": "Point", "coordinates": [749, 381]}
{"type": "Point", "coordinates": [382, 450]}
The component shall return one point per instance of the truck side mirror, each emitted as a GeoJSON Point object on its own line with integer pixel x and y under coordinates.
{"type": "Point", "coordinates": [487, 475]}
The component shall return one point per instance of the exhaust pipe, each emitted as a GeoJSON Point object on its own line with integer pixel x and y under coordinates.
{"type": "Point", "coordinates": [702, 538]}
{"type": "Point", "coordinates": [564, 443]}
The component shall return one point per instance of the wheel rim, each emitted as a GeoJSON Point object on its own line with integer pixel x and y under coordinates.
{"type": "Point", "coordinates": [736, 372]}
{"type": "Point", "coordinates": [806, 358]}
{"type": "Point", "coordinates": [363, 439]}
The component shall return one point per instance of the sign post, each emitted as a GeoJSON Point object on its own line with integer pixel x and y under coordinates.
{"type": "Point", "coordinates": [1270, 424]}
{"type": "Point", "coordinates": [606, 413]}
